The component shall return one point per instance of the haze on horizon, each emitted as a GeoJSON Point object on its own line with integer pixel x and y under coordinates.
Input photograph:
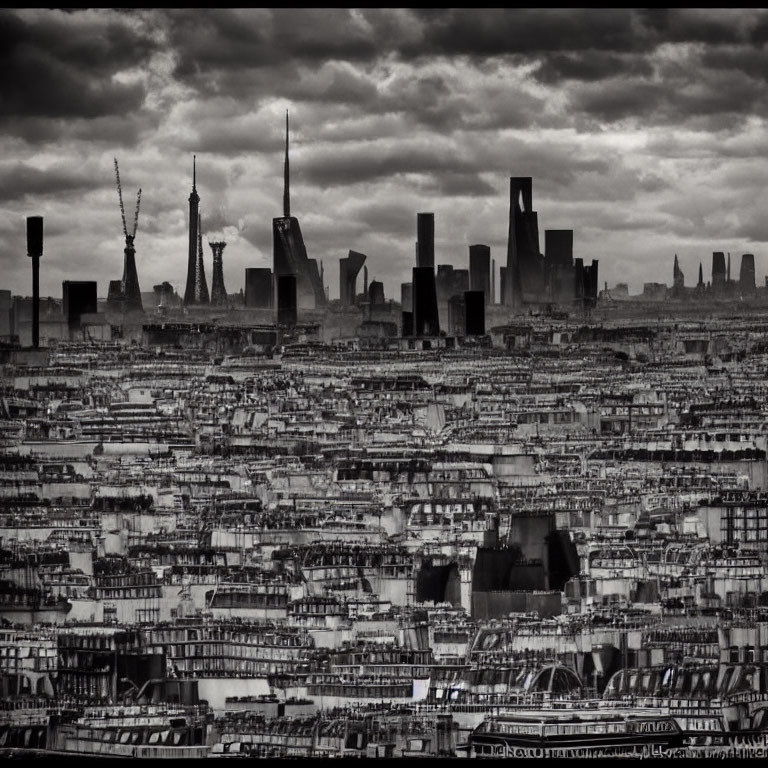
{"type": "Point", "coordinates": [644, 131]}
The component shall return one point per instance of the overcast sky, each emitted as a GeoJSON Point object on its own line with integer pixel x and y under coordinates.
{"type": "Point", "coordinates": [644, 131]}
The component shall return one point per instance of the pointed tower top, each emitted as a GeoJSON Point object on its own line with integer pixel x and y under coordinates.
{"type": "Point", "coordinates": [194, 172]}
{"type": "Point", "coordinates": [286, 175]}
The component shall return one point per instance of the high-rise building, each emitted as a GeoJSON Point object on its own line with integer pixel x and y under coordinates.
{"type": "Point", "coordinates": [425, 245]}
{"type": "Point", "coordinates": [474, 309]}
{"type": "Point", "coordinates": [525, 275]}
{"type": "Point", "coordinates": [718, 271]}
{"type": "Point", "coordinates": [258, 287]}
{"type": "Point", "coordinates": [426, 319]}
{"type": "Point", "coordinates": [349, 268]}
{"type": "Point", "coordinates": [286, 300]}
{"type": "Point", "coordinates": [35, 251]}
{"type": "Point", "coordinates": [407, 324]}
{"type": "Point", "coordinates": [480, 269]}
{"type": "Point", "coordinates": [289, 251]}
{"type": "Point", "coordinates": [747, 274]}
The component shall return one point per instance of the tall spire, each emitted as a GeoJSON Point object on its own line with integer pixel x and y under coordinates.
{"type": "Point", "coordinates": [286, 173]}
{"type": "Point", "coordinates": [194, 172]}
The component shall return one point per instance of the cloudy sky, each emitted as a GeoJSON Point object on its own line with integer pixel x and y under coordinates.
{"type": "Point", "coordinates": [645, 132]}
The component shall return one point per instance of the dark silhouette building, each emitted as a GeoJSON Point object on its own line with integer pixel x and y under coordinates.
{"type": "Point", "coordinates": [457, 318]}
{"type": "Point", "coordinates": [289, 251]}
{"type": "Point", "coordinates": [480, 269]}
{"type": "Point", "coordinates": [747, 274]}
{"type": "Point", "coordinates": [426, 319]}
{"type": "Point", "coordinates": [718, 271]}
{"type": "Point", "coordinates": [425, 244]}
{"type": "Point", "coordinates": [559, 264]}
{"type": "Point", "coordinates": [474, 309]}
{"type": "Point", "coordinates": [376, 293]}
{"type": "Point", "coordinates": [78, 299]}
{"type": "Point", "coordinates": [286, 300]}
{"type": "Point", "coordinates": [525, 276]}
{"type": "Point", "coordinates": [406, 296]}
{"type": "Point", "coordinates": [258, 288]}
{"type": "Point", "coordinates": [35, 251]}
{"type": "Point", "coordinates": [349, 268]}
{"type": "Point", "coordinates": [407, 323]}
{"type": "Point", "coordinates": [678, 278]}
{"type": "Point", "coordinates": [196, 291]}
{"type": "Point", "coordinates": [218, 292]}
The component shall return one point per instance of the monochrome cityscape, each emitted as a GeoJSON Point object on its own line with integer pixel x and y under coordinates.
{"type": "Point", "coordinates": [505, 510]}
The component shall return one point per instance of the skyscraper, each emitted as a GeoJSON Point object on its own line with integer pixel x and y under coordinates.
{"type": "Point", "coordinates": [718, 271]}
{"type": "Point", "coordinates": [524, 262]}
{"type": "Point", "coordinates": [288, 249]}
{"type": "Point", "coordinates": [349, 268]}
{"type": "Point", "coordinates": [425, 245]}
{"type": "Point", "coordinates": [480, 269]}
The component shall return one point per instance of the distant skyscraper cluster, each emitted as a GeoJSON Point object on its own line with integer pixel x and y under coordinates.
{"type": "Point", "coordinates": [440, 300]}
{"type": "Point", "coordinates": [721, 284]}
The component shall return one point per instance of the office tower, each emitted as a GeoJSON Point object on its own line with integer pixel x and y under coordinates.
{"type": "Point", "coordinates": [426, 320]}
{"type": "Point", "coordinates": [407, 324]}
{"type": "Point", "coordinates": [78, 298]}
{"type": "Point", "coordinates": [349, 268]}
{"type": "Point", "coordinates": [425, 245]}
{"type": "Point", "coordinates": [480, 269]}
{"type": "Point", "coordinates": [218, 292]}
{"type": "Point", "coordinates": [35, 251]}
{"type": "Point", "coordinates": [290, 253]}
{"type": "Point", "coordinates": [590, 282]}
{"type": "Point", "coordinates": [365, 282]}
{"type": "Point", "coordinates": [747, 273]}
{"type": "Point", "coordinates": [286, 300]}
{"type": "Point", "coordinates": [457, 318]}
{"type": "Point", "coordinates": [718, 271]}
{"type": "Point", "coordinates": [193, 293]}
{"type": "Point", "coordinates": [524, 262]}
{"type": "Point", "coordinates": [493, 281]}
{"type": "Point", "coordinates": [474, 309]}
{"type": "Point", "coordinates": [258, 287]}
{"type": "Point", "coordinates": [558, 264]}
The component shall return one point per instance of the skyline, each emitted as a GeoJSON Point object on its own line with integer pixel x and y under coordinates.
{"type": "Point", "coordinates": [645, 136]}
